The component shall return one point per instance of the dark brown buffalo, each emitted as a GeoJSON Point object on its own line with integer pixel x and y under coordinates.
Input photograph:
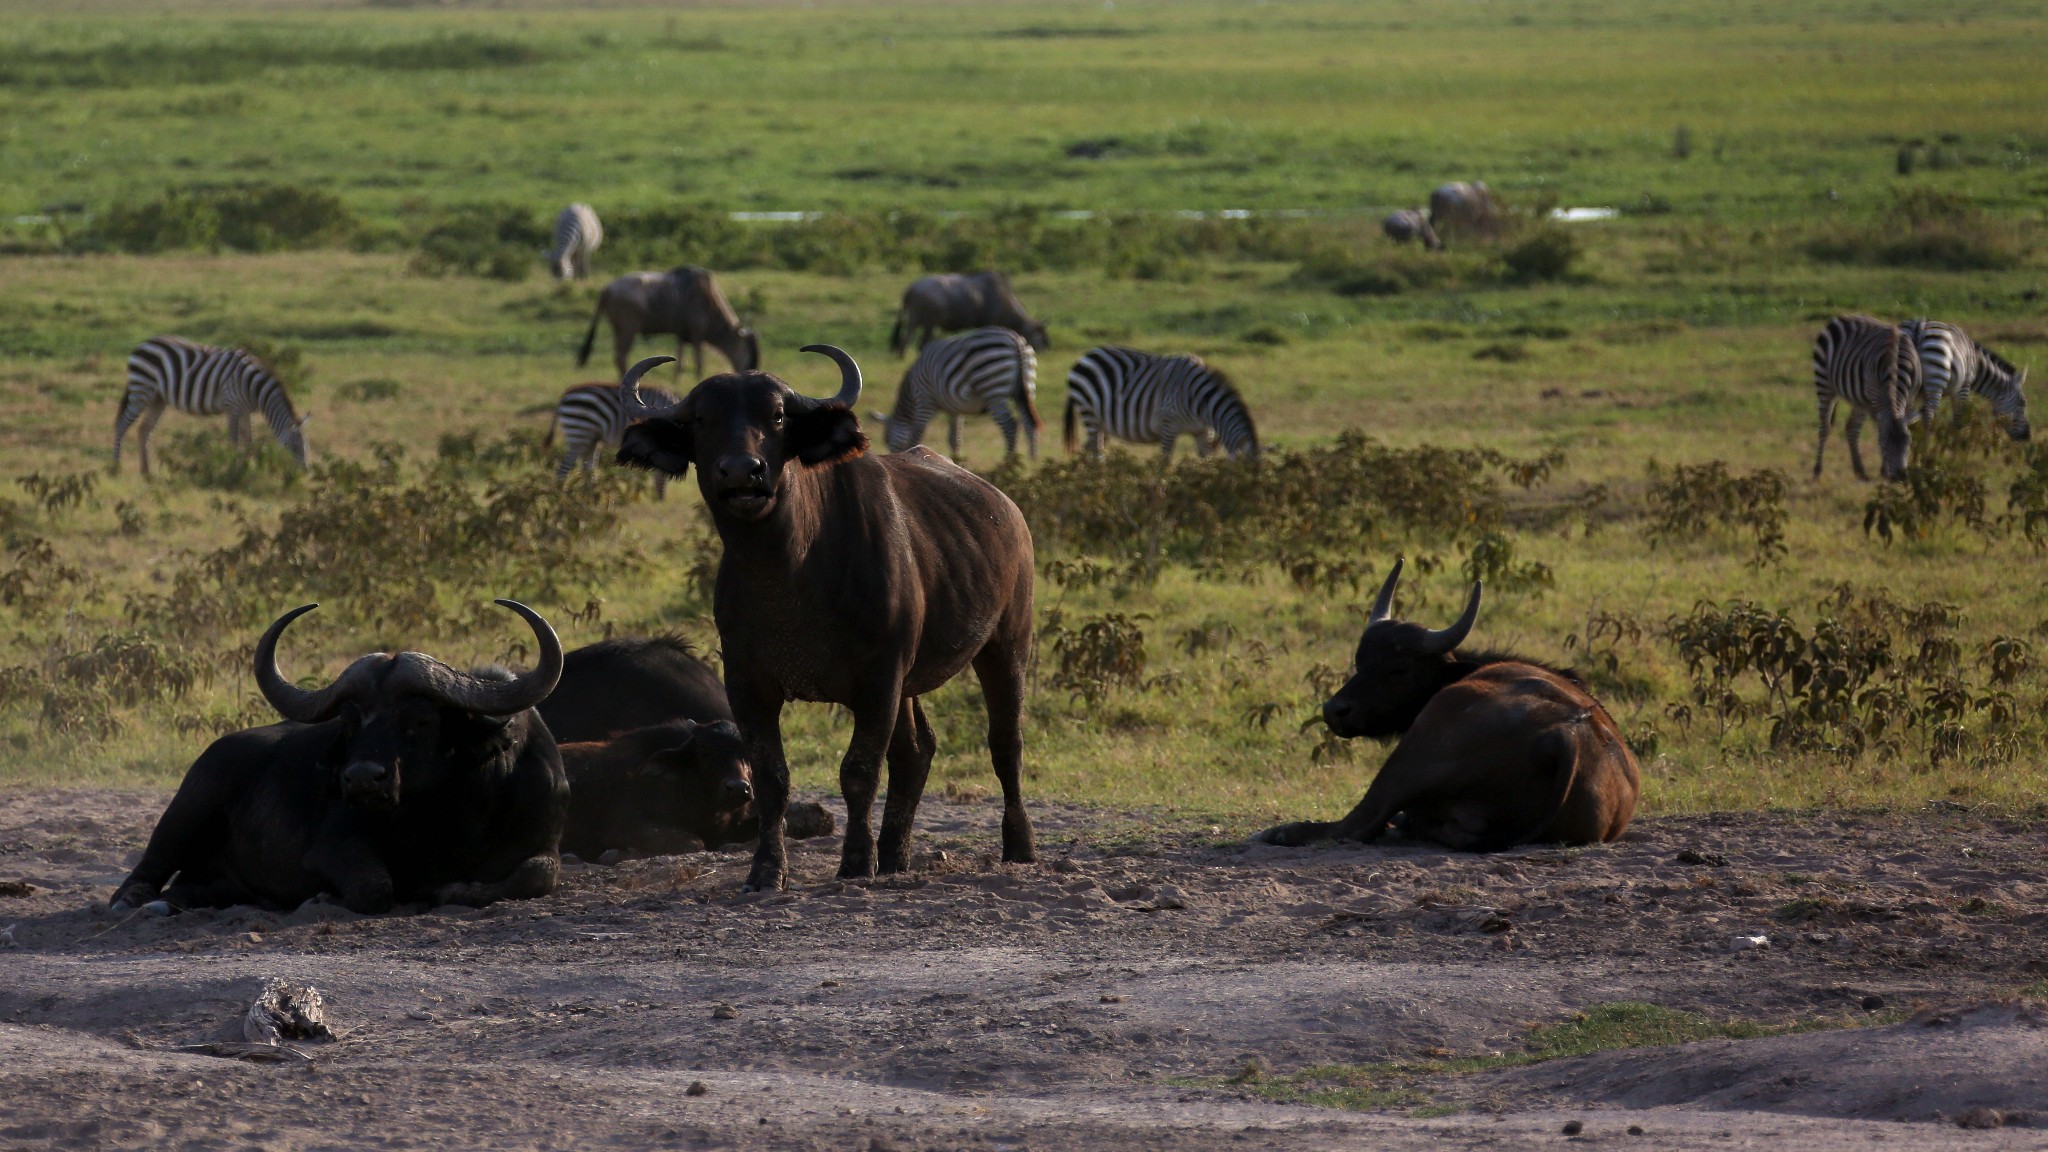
{"type": "Point", "coordinates": [1494, 750]}
{"type": "Point", "coordinates": [404, 780]}
{"type": "Point", "coordinates": [685, 302]}
{"type": "Point", "coordinates": [631, 682]}
{"type": "Point", "coordinates": [956, 302]}
{"type": "Point", "coordinates": [668, 788]}
{"type": "Point", "coordinates": [858, 580]}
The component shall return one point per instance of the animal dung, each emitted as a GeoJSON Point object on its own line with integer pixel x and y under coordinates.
{"type": "Point", "coordinates": [16, 888]}
{"type": "Point", "coordinates": [1573, 1127]}
{"type": "Point", "coordinates": [725, 1012]}
{"type": "Point", "coordinates": [1749, 943]}
{"type": "Point", "coordinates": [285, 1011]}
{"type": "Point", "coordinates": [696, 1088]}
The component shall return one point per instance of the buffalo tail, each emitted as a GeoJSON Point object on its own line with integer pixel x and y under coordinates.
{"type": "Point", "coordinates": [590, 337]}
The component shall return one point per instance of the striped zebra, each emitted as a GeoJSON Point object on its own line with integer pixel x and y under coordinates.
{"type": "Point", "coordinates": [1872, 365]}
{"type": "Point", "coordinates": [577, 235]}
{"type": "Point", "coordinates": [201, 380]}
{"type": "Point", "coordinates": [1951, 361]}
{"type": "Point", "coordinates": [990, 370]}
{"type": "Point", "coordinates": [1156, 399]}
{"type": "Point", "coordinates": [593, 415]}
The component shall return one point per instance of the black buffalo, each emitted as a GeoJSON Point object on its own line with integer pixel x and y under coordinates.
{"type": "Point", "coordinates": [655, 791]}
{"type": "Point", "coordinates": [854, 579]}
{"type": "Point", "coordinates": [1494, 750]}
{"type": "Point", "coordinates": [404, 780]}
{"type": "Point", "coordinates": [632, 682]}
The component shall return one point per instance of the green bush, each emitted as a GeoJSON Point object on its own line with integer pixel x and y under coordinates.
{"type": "Point", "coordinates": [251, 218]}
{"type": "Point", "coordinates": [500, 241]}
{"type": "Point", "coordinates": [1547, 254]}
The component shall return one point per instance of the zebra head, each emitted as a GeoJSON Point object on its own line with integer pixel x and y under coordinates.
{"type": "Point", "coordinates": [2013, 406]}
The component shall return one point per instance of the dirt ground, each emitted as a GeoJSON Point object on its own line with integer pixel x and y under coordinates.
{"type": "Point", "coordinates": [1098, 1000]}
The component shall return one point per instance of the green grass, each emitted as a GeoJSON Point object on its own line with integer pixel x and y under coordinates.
{"type": "Point", "coordinates": [1406, 1084]}
{"type": "Point", "coordinates": [1679, 338]}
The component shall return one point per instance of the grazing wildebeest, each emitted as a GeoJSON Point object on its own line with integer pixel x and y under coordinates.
{"type": "Point", "coordinates": [865, 581]}
{"type": "Point", "coordinates": [1494, 750]}
{"type": "Point", "coordinates": [668, 788]}
{"type": "Point", "coordinates": [1410, 224]}
{"type": "Point", "coordinates": [955, 302]}
{"type": "Point", "coordinates": [1461, 207]}
{"type": "Point", "coordinates": [685, 301]}
{"type": "Point", "coordinates": [403, 780]}
{"type": "Point", "coordinates": [631, 682]}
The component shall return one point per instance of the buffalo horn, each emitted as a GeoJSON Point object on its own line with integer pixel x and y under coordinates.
{"type": "Point", "coordinates": [437, 681]}
{"type": "Point", "coordinates": [291, 701]}
{"type": "Point", "coordinates": [629, 384]}
{"type": "Point", "coordinates": [1438, 643]}
{"type": "Point", "coordinates": [1383, 607]}
{"type": "Point", "coordinates": [849, 373]}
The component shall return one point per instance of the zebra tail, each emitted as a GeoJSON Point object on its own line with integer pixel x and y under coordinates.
{"type": "Point", "coordinates": [1072, 435]}
{"type": "Point", "coordinates": [590, 337]}
{"type": "Point", "coordinates": [1024, 398]}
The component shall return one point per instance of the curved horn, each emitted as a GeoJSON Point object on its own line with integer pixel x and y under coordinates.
{"type": "Point", "coordinates": [1383, 607]}
{"type": "Point", "coordinates": [629, 384]}
{"type": "Point", "coordinates": [291, 701]}
{"type": "Point", "coordinates": [1438, 643]}
{"type": "Point", "coordinates": [495, 697]}
{"type": "Point", "coordinates": [849, 372]}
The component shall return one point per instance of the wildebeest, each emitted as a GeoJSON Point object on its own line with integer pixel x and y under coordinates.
{"type": "Point", "coordinates": [1461, 207]}
{"type": "Point", "coordinates": [685, 301]}
{"type": "Point", "coordinates": [403, 780]}
{"type": "Point", "coordinates": [631, 682]}
{"type": "Point", "coordinates": [1410, 224]}
{"type": "Point", "coordinates": [854, 579]}
{"type": "Point", "coordinates": [957, 301]}
{"type": "Point", "coordinates": [1494, 750]}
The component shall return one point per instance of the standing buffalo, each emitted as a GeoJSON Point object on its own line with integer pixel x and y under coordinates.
{"type": "Point", "coordinates": [403, 780]}
{"type": "Point", "coordinates": [1461, 207]}
{"type": "Point", "coordinates": [955, 302]}
{"type": "Point", "coordinates": [1410, 224]}
{"type": "Point", "coordinates": [853, 579]}
{"type": "Point", "coordinates": [1494, 750]}
{"type": "Point", "coordinates": [632, 682]}
{"type": "Point", "coordinates": [684, 301]}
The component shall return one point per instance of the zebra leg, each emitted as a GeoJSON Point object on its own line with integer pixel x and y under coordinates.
{"type": "Point", "coordinates": [1205, 444]}
{"type": "Point", "coordinates": [1166, 440]}
{"type": "Point", "coordinates": [1853, 433]}
{"type": "Point", "coordinates": [1007, 424]}
{"type": "Point", "coordinates": [953, 435]}
{"type": "Point", "coordinates": [131, 409]}
{"type": "Point", "coordinates": [1827, 423]}
{"type": "Point", "coordinates": [142, 431]}
{"type": "Point", "coordinates": [1095, 443]}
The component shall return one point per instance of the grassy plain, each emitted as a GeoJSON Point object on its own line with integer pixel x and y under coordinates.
{"type": "Point", "coordinates": [1681, 337]}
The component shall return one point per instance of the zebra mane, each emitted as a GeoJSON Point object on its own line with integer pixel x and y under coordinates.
{"type": "Point", "coordinates": [1997, 361]}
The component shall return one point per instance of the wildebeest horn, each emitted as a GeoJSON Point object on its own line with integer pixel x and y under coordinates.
{"type": "Point", "coordinates": [629, 384]}
{"type": "Point", "coordinates": [438, 682]}
{"type": "Point", "coordinates": [849, 372]}
{"type": "Point", "coordinates": [291, 701]}
{"type": "Point", "coordinates": [1383, 608]}
{"type": "Point", "coordinates": [1438, 643]}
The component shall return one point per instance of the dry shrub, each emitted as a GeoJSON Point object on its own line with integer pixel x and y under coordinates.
{"type": "Point", "coordinates": [1691, 500]}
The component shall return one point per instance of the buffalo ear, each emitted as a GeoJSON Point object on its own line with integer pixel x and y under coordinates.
{"type": "Point", "coordinates": [826, 434]}
{"type": "Point", "coordinates": [659, 445]}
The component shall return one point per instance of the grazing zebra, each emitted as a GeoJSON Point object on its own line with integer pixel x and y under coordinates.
{"type": "Point", "coordinates": [202, 380]}
{"type": "Point", "coordinates": [1155, 399]}
{"type": "Point", "coordinates": [1410, 224]}
{"type": "Point", "coordinates": [990, 370]}
{"type": "Point", "coordinates": [1872, 365]}
{"type": "Point", "coordinates": [590, 415]}
{"type": "Point", "coordinates": [1950, 359]}
{"type": "Point", "coordinates": [577, 235]}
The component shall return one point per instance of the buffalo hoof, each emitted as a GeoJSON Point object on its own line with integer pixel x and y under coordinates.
{"type": "Point", "coordinates": [764, 878]}
{"type": "Point", "coordinates": [157, 908]}
{"type": "Point", "coordinates": [1294, 835]}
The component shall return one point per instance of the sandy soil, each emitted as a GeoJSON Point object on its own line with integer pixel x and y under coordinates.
{"type": "Point", "coordinates": [1098, 1000]}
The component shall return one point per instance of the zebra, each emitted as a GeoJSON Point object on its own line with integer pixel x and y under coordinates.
{"type": "Point", "coordinates": [1872, 365]}
{"type": "Point", "coordinates": [1410, 224]}
{"type": "Point", "coordinates": [590, 415]}
{"type": "Point", "coordinates": [1141, 397]}
{"type": "Point", "coordinates": [1949, 359]}
{"type": "Point", "coordinates": [201, 380]}
{"type": "Point", "coordinates": [577, 235]}
{"type": "Point", "coordinates": [992, 370]}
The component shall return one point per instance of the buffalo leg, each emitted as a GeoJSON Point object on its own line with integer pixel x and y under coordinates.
{"type": "Point", "coordinates": [760, 722]}
{"type": "Point", "coordinates": [910, 764]}
{"type": "Point", "coordinates": [1296, 834]}
{"type": "Point", "coordinates": [1000, 667]}
{"type": "Point", "coordinates": [214, 892]}
{"type": "Point", "coordinates": [351, 868]}
{"type": "Point", "coordinates": [532, 877]}
{"type": "Point", "coordinates": [192, 830]}
{"type": "Point", "coordinates": [1853, 433]}
{"type": "Point", "coordinates": [860, 776]}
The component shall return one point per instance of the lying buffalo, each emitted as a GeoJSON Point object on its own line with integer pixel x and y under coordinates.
{"type": "Point", "coordinates": [668, 788]}
{"type": "Point", "coordinates": [1494, 750]}
{"type": "Point", "coordinates": [858, 580]}
{"type": "Point", "coordinates": [631, 682]}
{"type": "Point", "coordinates": [404, 780]}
